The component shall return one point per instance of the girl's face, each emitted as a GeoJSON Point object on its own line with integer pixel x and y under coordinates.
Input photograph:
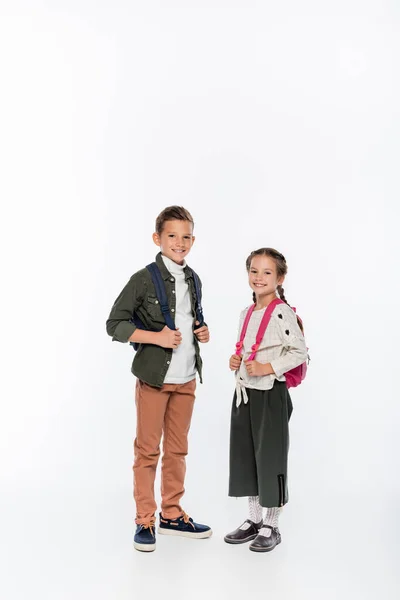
{"type": "Point", "coordinates": [263, 278]}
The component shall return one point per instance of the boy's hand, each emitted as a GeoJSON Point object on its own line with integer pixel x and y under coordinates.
{"type": "Point", "coordinates": [257, 369]}
{"type": "Point", "coordinates": [169, 338]}
{"type": "Point", "coordinates": [202, 334]}
{"type": "Point", "coordinates": [234, 362]}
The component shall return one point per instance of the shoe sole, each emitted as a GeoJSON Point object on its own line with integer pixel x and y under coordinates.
{"type": "Point", "coordinates": [253, 549]}
{"type": "Point", "coordinates": [196, 536]}
{"type": "Point", "coordinates": [144, 547]}
{"type": "Point", "coordinates": [244, 541]}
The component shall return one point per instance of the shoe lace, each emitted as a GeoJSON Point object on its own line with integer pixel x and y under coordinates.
{"type": "Point", "coordinates": [149, 526]}
{"type": "Point", "coordinates": [187, 520]}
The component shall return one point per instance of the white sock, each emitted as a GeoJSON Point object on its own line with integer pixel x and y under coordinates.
{"type": "Point", "coordinates": [271, 518]}
{"type": "Point", "coordinates": [255, 512]}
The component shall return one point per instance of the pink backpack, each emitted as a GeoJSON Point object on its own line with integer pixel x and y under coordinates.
{"type": "Point", "coordinates": [293, 377]}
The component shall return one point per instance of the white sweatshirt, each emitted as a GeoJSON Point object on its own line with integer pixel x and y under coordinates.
{"type": "Point", "coordinates": [283, 345]}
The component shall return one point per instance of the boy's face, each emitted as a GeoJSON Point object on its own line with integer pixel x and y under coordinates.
{"type": "Point", "coordinates": [263, 278]}
{"type": "Point", "coordinates": [175, 240]}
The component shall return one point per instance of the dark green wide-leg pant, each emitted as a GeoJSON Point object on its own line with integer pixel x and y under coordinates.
{"type": "Point", "coordinates": [259, 445]}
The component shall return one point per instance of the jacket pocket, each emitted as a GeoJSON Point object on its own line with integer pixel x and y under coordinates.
{"type": "Point", "coordinates": [152, 306]}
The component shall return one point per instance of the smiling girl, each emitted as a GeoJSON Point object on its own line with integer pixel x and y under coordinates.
{"type": "Point", "coordinates": [261, 409]}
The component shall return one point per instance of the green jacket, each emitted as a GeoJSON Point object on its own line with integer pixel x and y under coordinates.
{"type": "Point", "coordinates": [150, 363]}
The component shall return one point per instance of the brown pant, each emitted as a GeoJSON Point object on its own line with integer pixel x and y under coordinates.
{"type": "Point", "coordinates": [167, 410]}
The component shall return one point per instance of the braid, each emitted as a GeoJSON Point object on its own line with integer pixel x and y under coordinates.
{"type": "Point", "coordinates": [281, 293]}
{"type": "Point", "coordinates": [254, 297]}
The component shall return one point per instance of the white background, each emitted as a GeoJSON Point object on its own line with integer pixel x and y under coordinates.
{"type": "Point", "coordinates": [274, 123]}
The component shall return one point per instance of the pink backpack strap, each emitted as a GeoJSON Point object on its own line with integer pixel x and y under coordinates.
{"type": "Point", "coordinates": [239, 345]}
{"type": "Point", "coordinates": [263, 326]}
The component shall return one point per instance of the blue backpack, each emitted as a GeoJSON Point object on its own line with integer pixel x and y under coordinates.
{"type": "Point", "coordinates": [163, 300]}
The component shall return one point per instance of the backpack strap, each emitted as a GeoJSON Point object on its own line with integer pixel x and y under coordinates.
{"type": "Point", "coordinates": [263, 326]}
{"type": "Point", "coordinates": [161, 294]}
{"type": "Point", "coordinates": [239, 344]}
{"type": "Point", "coordinates": [199, 308]}
{"type": "Point", "coordinates": [261, 330]}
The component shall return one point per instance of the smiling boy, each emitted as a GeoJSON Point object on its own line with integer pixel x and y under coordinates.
{"type": "Point", "coordinates": [165, 365]}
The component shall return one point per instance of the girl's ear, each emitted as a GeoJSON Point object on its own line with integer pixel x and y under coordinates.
{"type": "Point", "coordinates": [281, 280]}
{"type": "Point", "coordinates": [156, 239]}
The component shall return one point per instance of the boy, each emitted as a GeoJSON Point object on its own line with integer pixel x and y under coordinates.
{"type": "Point", "coordinates": [165, 366]}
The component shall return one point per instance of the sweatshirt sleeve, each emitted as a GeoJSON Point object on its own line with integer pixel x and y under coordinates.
{"type": "Point", "coordinates": [118, 324]}
{"type": "Point", "coordinates": [294, 344]}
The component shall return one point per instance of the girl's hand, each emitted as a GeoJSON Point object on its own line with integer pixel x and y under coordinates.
{"type": "Point", "coordinates": [234, 362]}
{"type": "Point", "coordinates": [256, 369]}
{"type": "Point", "coordinates": [202, 334]}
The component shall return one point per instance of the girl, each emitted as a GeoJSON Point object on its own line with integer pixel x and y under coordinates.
{"type": "Point", "coordinates": [259, 439]}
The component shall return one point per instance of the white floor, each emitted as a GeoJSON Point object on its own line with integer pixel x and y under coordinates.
{"type": "Point", "coordinates": [60, 546]}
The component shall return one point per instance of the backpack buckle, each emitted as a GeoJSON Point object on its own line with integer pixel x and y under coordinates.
{"type": "Point", "coordinates": [239, 346]}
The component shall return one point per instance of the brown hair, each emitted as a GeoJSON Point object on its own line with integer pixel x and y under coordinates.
{"type": "Point", "coordinates": [281, 270]}
{"type": "Point", "coordinates": [172, 213]}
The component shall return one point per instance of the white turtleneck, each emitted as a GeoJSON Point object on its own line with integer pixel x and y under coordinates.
{"type": "Point", "coordinates": [183, 362]}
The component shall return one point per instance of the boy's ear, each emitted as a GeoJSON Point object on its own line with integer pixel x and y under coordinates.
{"type": "Point", "coordinates": [156, 239]}
{"type": "Point", "coordinates": [193, 239]}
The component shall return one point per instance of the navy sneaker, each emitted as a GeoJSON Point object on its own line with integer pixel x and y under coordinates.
{"type": "Point", "coordinates": [183, 526]}
{"type": "Point", "coordinates": [145, 538]}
